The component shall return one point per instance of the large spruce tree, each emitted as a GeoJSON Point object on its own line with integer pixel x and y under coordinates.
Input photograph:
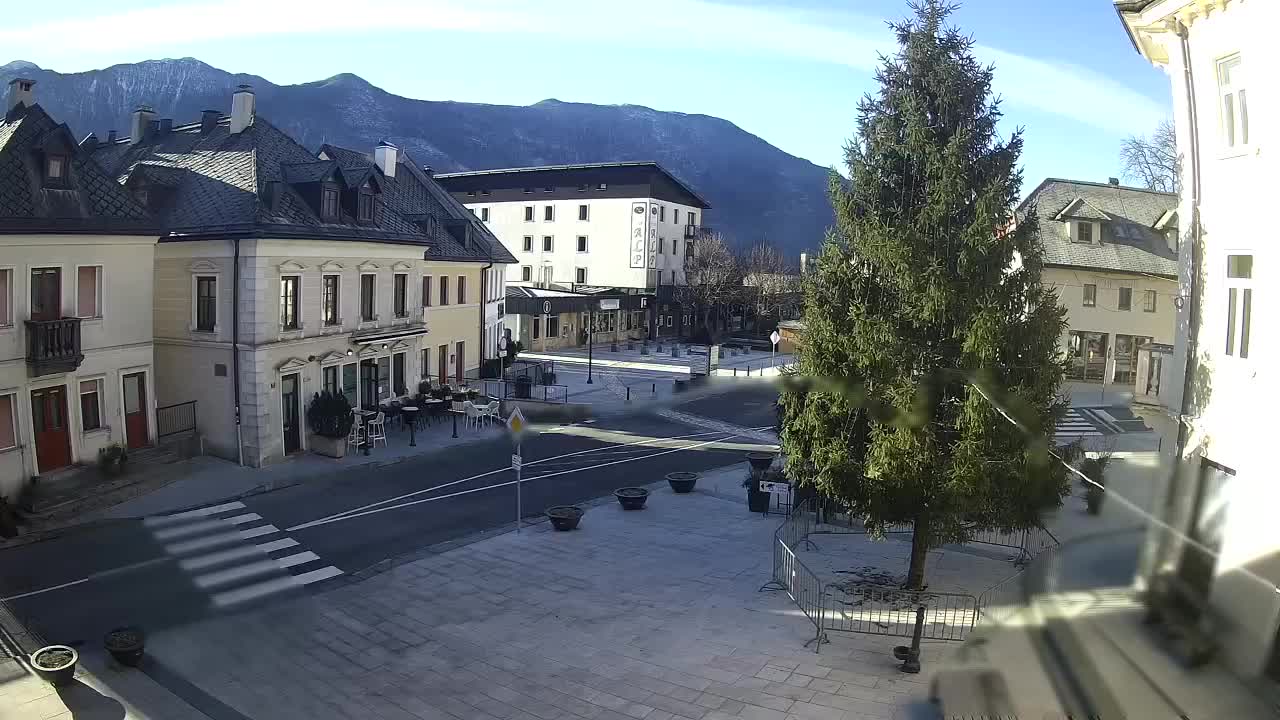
{"type": "Point", "coordinates": [926, 312]}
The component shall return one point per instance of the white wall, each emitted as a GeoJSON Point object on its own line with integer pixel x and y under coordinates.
{"type": "Point", "coordinates": [608, 231]}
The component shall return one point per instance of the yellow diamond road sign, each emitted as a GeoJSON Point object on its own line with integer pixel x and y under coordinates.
{"type": "Point", "coordinates": [516, 424]}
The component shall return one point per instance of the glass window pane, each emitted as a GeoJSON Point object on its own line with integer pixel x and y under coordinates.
{"type": "Point", "coordinates": [8, 433]}
{"type": "Point", "coordinates": [1229, 119]}
{"type": "Point", "coordinates": [1244, 117]}
{"type": "Point", "coordinates": [349, 383]}
{"type": "Point", "coordinates": [87, 292]}
{"type": "Point", "coordinates": [384, 377]}
{"type": "Point", "coordinates": [1240, 266]}
{"type": "Point", "coordinates": [1231, 321]}
{"type": "Point", "coordinates": [398, 373]}
{"type": "Point", "coordinates": [90, 418]}
{"type": "Point", "coordinates": [1246, 303]}
{"type": "Point", "coordinates": [132, 393]}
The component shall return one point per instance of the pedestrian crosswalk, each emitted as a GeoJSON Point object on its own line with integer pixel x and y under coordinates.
{"type": "Point", "coordinates": [235, 555]}
{"type": "Point", "coordinates": [1074, 426]}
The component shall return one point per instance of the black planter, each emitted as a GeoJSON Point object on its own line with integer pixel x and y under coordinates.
{"type": "Point", "coordinates": [682, 482]}
{"type": "Point", "coordinates": [63, 673]}
{"type": "Point", "coordinates": [758, 501]}
{"type": "Point", "coordinates": [631, 498]}
{"type": "Point", "coordinates": [760, 460]}
{"type": "Point", "coordinates": [522, 387]}
{"type": "Point", "coordinates": [681, 386]}
{"type": "Point", "coordinates": [564, 517]}
{"type": "Point", "coordinates": [126, 645]}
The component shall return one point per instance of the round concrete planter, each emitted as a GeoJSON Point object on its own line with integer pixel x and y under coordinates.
{"type": "Point", "coordinates": [631, 498]}
{"type": "Point", "coordinates": [126, 645]}
{"type": "Point", "coordinates": [564, 517]}
{"type": "Point", "coordinates": [55, 664]}
{"type": "Point", "coordinates": [760, 460]}
{"type": "Point", "coordinates": [682, 482]}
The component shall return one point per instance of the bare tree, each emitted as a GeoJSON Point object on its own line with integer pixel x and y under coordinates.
{"type": "Point", "coordinates": [1154, 162]}
{"type": "Point", "coordinates": [768, 287]}
{"type": "Point", "coordinates": [713, 278]}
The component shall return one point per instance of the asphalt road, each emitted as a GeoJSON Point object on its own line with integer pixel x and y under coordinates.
{"type": "Point", "coordinates": [75, 587]}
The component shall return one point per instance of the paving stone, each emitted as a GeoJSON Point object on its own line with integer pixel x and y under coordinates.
{"type": "Point", "coordinates": [773, 674]}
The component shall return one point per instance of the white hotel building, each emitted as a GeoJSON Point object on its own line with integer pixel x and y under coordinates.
{"type": "Point", "coordinates": [622, 229]}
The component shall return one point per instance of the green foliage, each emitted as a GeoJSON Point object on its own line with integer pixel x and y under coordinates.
{"type": "Point", "coordinates": [111, 459]}
{"type": "Point", "coordinates": [1095, 469]}
{"type": "Point", "coordinates": [330, 415]}
{"type": "Point", "coordinates": [926, 316]}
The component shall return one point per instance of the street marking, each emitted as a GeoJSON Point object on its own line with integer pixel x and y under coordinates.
{"type": "Point", "coordinates": [242, 519]}
{"type": "Point", "coordinates": [201, 562]}
{"type": "Point", "coordinates": [353, 515]}
{"type": "Point", "coordinates": [239, 572]}
{"type": "Point", "coordinates": [323, 520]}
{"type": "Point", "coordinates": [259, 531]}
{"type": "Point", "coordinates": [162, 520]}
{"type": "Point", "coordinates": [194, 528]}
{"type": "Point", "coordinates": [299, 559]}
{"type": "Point", "coordinates": [212, 541]}
{"type": "Point", "coordinates": [45, 590]}
{"type": "Point", "coordinates": [272, 586]}
{"type": "Point", "coordinates": [277, 545]}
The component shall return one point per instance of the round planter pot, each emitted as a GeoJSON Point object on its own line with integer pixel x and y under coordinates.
{"type": "Point", "coordinates": [55, 664]}
{"type": "Point", "coordinates": [682, 482]}
{"type": "Point", "coordinates": [631, 498]}
{"type": "Point", "coordinates": [564, 517]}
{"type": "Point", "coordinates": [126, 645]}
{"type": "Point", "coordinates": [759, 460]}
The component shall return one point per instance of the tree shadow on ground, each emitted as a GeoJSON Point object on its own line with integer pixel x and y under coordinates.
{"type": "Point", "coordinates": [86, 703]}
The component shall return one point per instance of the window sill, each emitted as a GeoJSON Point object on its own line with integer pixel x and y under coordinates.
{"type": "Point", "coordinates": [96, 432]}
{"type": "Point", "coordinates": [1232, 153]}
{"type": "Point", "coordinates": [6, 451]}
{"type": "Point", "coordinates": [95, 320]}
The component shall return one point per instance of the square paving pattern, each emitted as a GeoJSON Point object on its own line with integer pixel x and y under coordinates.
{"type": "Point", "coordinates": [647, 615]}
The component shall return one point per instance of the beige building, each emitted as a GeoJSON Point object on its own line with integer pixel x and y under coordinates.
{"type": "Point", "coordinates": [1110, 252]}
{"type": "Point", "coordinates": [76, 369]}
{"type": "Point", "coordinates": [1225, 543]}
{"type": "Point", "coordinates": [341, 271]}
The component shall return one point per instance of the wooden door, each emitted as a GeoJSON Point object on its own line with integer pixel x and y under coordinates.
{"type": "Point", "coordinates": [49, 421]}
{"type": "Point", "coordinates": [135, 410]}
{"type": "Point", "coordinates": [459, 363]}
{"type": "Point", "coordinates": [46, 293]}
{"type": "Point", "coordinates": [443, 365]}
{"type": "Point", "coordinates": [289, 413]}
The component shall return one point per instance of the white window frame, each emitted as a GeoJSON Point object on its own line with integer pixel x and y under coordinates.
{"type": "Point", "coordinates": [1235, 330]}
{"type": "Point", "coordinates": [580, 275]}
{"type": "Point", "coordinates": [526, 246]}
{"type": "Point", "coordinates": [1234, 132]}
{"type": "Point", "coordinates": [548, 246]}
{"type": "Point", "coordinates": [460, 290]}
{"type": "Point", "coordinates": [1084, 295]}
{"type": "Point", "coordinates": [1152, 306]}
{"type": "Point", "coordinates": [99, 274]}
{"type": "Point", "coordinates": [1120, 295]}
{"type": "Point", "coordinates": [583, 244]}
{"type": "Point", "coordinates": [337, 310]}
{"type": "Point", "coordinates": [530, 212]}
{"type": "Point", "coordinates": [100, 381]}
{"type": "Point", "coordinates": [548, 213]}
{"type": "Point", "coordinates": [6, 321]}
{"type": "Point", "coordinates": [13, 420]}
{"type": "Point", "coordinates": [584, 216]}
{"type": "Point", "coordinates": [426, 289]}
{"type": "Point", "coordinates": [360, 298]}
{"type": "Point", "coordinates": [526, 273]}
{"type": "Point", "coordinates": [407, 304]}
{"type": "Point", "coordinates": [484, 214]}
{"type": "Point", "coordinates": [298, 310]}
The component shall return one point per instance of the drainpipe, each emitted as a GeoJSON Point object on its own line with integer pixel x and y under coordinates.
{"type": "Point", "coordinates": [1193, 289]}
{"type": "Point", "coordinates": [235, 345]}
{"type": "Point", "coordinates": [484, 306]}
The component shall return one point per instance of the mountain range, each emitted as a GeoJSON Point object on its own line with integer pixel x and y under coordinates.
{"type": "Point", "coordinates": [756, 190]}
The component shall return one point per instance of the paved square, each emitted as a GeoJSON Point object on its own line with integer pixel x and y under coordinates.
{"type": "Point", "coordinates": [648, 615]}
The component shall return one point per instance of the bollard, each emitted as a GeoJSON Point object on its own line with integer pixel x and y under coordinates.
{"type": "Point", "coordinates": [655, 388]}
{"type": "Point", "coordinates": [628, 393]}
{"type": "Point", "coordinates": [735, 372]}
{"type": "Point", "coordinates": [910, 656]}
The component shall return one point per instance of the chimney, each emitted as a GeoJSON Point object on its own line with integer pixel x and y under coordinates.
{"type": "Point", "coordinates": [209, 121]}
{"type": "Point", "coordinates": [241, 109]}
{"type": "Point", "coordinates": [384, 156]}
{"type": "Point", "coordinates": [89, 143]}
{"type": "Point", "coordinates": [1113, 181]}
{"type": "Point", "coordinates": [111, 137]}
{"type": "Point", "coordinates": [139, 123]}
{"type": "Point", "coordinates": [428, 170]}
{"type": "Point", "coordinates": [20, 92]}
{"type": "Point", "coordinates": [166, 124]}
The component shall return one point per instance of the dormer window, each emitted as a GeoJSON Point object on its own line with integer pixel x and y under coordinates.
{"type": "Point", "coordinates": [329, 208]}
{"type": "Point", "coordinates": [364, 207]}
{"type": "Point", "coordinates": [1084, 232]}
{"type": "Point", "coordinates": [55, 170]}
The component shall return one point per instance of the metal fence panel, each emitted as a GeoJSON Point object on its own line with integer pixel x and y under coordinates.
{"type": "Point", "coordinates": [174, 419]}
{"type": "Point", "coordinates": [881, 610]}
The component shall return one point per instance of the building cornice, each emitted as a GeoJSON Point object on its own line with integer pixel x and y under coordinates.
{"type": "Point", "coordinates": [1153, 27]}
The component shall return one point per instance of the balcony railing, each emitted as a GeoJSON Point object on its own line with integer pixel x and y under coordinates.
{"type": "Point", "coordinates": [693, 232]}
{"type": "Point", "coordinates": [53, 346]}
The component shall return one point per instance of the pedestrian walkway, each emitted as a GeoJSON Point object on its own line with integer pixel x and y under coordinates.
{"type": "Point", "coordinates": [234, 555]}
{"type": "Point", "coordinates": [1072, 427]}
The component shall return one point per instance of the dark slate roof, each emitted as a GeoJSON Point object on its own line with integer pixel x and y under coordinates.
{"type": "Point", "coordinates": [645, 164]}
{"type": "Point", "coordinates": [243, 185]}
{"type": "Point", "coordinates": [93, 202]}
{"type": "Point", "coordinates": [1129, 242]}
{"type": "Point", "coordinates": [417, 196]}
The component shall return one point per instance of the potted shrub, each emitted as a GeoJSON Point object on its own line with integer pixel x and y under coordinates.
{"type": "Point", "coordinates": [758, 500]}
{"type": "Point", "coordinates": [564, 517]}
{"type": "Point", "coordinates": [631, 498]}
{"type": "Point", "coordinates": [1094, 468]}
{"type": "Point", "coordinates": [55, 664]}
{"type": "Point", "coordinates": [524, 387]}
{"type": "Point", "coordinates": [330, 419]}
{"type": "Point", "coordinates": [125, 645]}
{"type": "Point", "coordinates": [682, 482]}
{"type": "Point", "coordinates": [112, 458]}
{"type": "Point", "coordinates": [760, 460]}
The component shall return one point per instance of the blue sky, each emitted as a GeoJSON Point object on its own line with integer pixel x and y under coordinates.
{"type": "Point", "coordinates": [790, 71]}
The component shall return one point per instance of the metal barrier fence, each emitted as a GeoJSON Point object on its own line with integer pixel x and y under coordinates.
{"type": "Point", "coordinates": [888, 610]}
{"type": "Point", "coordinates": [174, 419]}
{"type": "Point", "coordinates": [506, 390]}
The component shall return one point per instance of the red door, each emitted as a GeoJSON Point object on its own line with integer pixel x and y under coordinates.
{"type": "Point", "coordinates": [49, 421]}
{"type": "Point", "coordinates": [135, 410]}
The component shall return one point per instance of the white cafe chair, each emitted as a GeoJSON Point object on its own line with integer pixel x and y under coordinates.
{"type": "Point", "coordinates": [378, 430]}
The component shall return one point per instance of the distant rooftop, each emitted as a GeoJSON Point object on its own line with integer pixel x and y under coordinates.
{"type": "Point", "coordinates": [604, 166]}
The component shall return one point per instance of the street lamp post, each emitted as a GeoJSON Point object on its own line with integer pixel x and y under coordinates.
{"type": "Point", "coordinates": [591, 326]}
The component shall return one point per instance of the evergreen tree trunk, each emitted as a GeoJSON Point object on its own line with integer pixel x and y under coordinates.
{"type": "Point", "coordinates": [919, 552]}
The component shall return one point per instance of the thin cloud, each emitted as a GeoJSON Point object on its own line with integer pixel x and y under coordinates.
{"type": "Point", "coordinates": [680, 25]}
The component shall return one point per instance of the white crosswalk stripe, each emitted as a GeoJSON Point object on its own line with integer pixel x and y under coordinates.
{"type": "Point", "coordinates": [236, 555]}
{"type": "Point", "coordinates": [1074, 426]}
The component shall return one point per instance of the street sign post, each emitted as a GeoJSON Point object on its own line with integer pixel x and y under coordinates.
{"type": "Point", "coordinates": [516, 428]}
{"type": "Point", "coordinates": [774, 337]}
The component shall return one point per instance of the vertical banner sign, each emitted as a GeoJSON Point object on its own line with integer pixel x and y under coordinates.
{"type": "Point", "coordinates": [653, 236]}
{"type": "Point", "coordinates": [638, 241]}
